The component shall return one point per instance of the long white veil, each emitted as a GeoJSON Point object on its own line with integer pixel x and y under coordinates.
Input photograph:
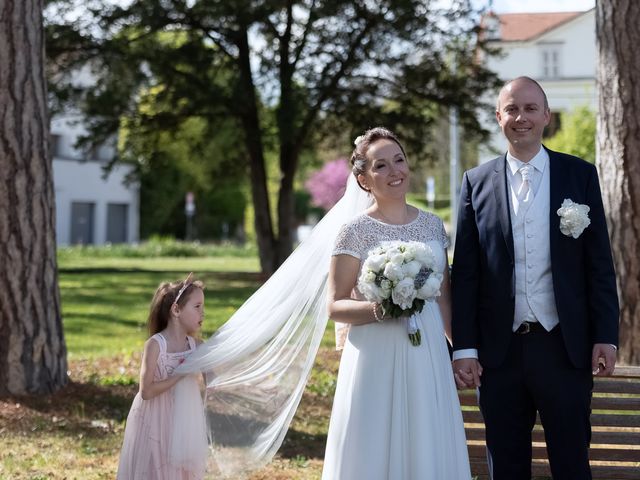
{"type": "Point", "coordinates": [258, 362]}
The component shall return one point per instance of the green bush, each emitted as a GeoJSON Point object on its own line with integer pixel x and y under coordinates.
{"type": "Point", "coordinates": [157, 247]}
{"type": "Point", "coordinates": [577, 135]}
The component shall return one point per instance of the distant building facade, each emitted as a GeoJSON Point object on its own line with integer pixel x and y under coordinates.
{"type": "Point", "coordinates": [92, 208]}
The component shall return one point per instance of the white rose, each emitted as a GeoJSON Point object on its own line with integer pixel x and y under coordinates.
{"type": "Point", "coordinates": [393, 272]}
{"type": "Point", "coordinates": [404, 293]}
{"type": "Point", "coordinates": [426, 257]}
{"type": "Point", "coordinates": [396, 259]}
{"type": "Point", "coordinates": [418, 249]}
{"type": "Point", "coordinates": [431, 288]}
{"type": "Point", "coordinates": [410, 251]}
{"type": "Point", "coordinates": [369, 277]}
{"type": "Point", "coordinates": [389, 248]}
{"type": "Point", "coordinates": [372, 292]}
{"type": "Point", "coordinates": [411, 269]}
{"type": "Point", "coordinates": [376, 262]}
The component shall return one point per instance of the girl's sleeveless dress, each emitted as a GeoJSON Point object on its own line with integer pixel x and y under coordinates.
{"type": "Point", "coordinates": [396, 414]}
{"type": "Point", "coordinates": [147, 436]}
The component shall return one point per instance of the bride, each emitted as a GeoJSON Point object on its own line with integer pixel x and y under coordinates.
{"type": "Point", "coordinates": [396, 413]}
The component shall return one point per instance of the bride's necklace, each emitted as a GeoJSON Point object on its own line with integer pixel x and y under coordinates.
{"type": "Point", "coordinates": [389, 222]}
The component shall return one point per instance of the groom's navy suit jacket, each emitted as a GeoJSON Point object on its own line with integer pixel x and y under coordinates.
{"type": "Point", "coordinates": [483, 278]}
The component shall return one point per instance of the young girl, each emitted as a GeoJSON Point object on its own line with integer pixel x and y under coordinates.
{"type": "Point", "coordinates": [150, 439]}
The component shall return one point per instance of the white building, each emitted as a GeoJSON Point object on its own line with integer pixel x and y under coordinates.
{"type": "Point", "coordinates": [91, 207]}
{"type": "Point", "coordinates": [556, 49]}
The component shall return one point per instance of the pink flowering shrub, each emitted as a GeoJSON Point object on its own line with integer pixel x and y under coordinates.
{"type": "Point", "coordinates": [327, 185]}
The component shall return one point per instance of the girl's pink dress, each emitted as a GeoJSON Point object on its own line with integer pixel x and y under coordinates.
{"type": "Point", "coordinates": [147, 436]}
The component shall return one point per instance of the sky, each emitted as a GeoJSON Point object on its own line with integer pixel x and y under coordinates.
{"type": "Point", "coordinates": [519, 6]}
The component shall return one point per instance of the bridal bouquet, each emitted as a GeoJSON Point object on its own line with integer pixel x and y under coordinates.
{"type": "Point", "coordinates": [401, 277]}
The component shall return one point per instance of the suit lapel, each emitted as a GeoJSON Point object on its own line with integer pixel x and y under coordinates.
{"type": "Point", "coordinates": [557, 171]}
{"type": "Point", "coordinates": [502, 202]}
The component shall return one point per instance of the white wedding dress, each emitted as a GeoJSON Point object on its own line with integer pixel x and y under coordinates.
{"type": "Point", "coordinates": [396, 414]}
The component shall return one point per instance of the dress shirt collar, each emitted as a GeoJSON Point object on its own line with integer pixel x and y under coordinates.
{"type": "Point", "coordinates": [539, 161]}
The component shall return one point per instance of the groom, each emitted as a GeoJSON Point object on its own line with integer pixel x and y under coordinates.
{"type": "Point", "coordinates": [535, 308]}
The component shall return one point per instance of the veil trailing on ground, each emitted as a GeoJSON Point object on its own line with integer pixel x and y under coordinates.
{"type": "Point", "coordinates": [258, 362]}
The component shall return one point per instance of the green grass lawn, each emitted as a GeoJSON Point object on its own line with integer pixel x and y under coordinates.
{"type": "Point", "coordinates": [77, 433]}
{"type": "Point", "coordinates": [105, 302]}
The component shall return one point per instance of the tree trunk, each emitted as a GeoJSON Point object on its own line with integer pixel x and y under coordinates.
{"type": "Point", "coordinates": [287, 135]}
{"type": "Point", "coordinates": [273, 249]}
{"type": "Point", "coordinates": [286, 202]}
{"type": "Point", "coordinates": [33, 355]}
{"type": "Point", "coordinates": [618, 155]}
{"type": "Point", "coordinates": [248, 111]}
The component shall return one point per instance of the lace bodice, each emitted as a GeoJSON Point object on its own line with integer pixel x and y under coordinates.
{"type": "Point", "coordinates": [363, 233]}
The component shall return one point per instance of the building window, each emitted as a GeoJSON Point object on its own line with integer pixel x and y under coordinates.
{"type": "Point", "coordinates": [117, 222]}
{"type": "Point", "coordinates": [551, 61]}
{"type": "Point", "coordinates": [55, 141]}
{"type": "Point", "coordinates": [82, 214]}
{"type": "Point", "coordinates": [103, 152]}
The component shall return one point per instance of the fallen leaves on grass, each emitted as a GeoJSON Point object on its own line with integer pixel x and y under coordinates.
{"type": "Point", "coordinates": [76, 433]}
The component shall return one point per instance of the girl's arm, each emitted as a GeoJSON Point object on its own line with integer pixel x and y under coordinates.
{"type": "Point", "coordinates": [149, 388]}
{"type": "Point", "coordinates": [444, 300]}
{"type": "Point", "coordinates": [343, 275]}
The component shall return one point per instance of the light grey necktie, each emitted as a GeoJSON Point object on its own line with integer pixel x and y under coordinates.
{"type": "Point", "coordinates": [525, 192]}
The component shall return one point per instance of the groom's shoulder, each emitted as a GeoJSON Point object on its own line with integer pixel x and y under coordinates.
{"type": "Point", "coordinates": [570, 160]}
{"type": "Point", "coordinates": [486, 168]}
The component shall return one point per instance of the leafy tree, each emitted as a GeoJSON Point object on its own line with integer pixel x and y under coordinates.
{"type": "Point", "coordinates": [577, 134]}
{"type": "Point", "coordinates": [363, 63]}
{"type": "Point", "coordinates": [189, 159]}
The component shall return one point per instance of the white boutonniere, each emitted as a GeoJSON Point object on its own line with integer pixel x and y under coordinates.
{"type": "Point", "coordinates": [574, 218]}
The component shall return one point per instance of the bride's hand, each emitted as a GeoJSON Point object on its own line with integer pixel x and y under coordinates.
{"type": "Point", "coordinates": [467, 372]}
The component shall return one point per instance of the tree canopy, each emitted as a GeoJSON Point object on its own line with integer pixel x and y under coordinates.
{"type": "Point", "coordinates": [287, 73]}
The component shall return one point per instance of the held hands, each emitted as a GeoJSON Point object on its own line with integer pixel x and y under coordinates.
{"type": "Point", "coordinates": [603, 359]}
{"type": "Point", "coordinates": [467, 372]}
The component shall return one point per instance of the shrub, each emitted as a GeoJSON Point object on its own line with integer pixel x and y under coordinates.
{"type": "Point", "coordinates": [158, 247]}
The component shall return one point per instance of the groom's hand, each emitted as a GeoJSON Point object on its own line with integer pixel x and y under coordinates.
{"type": "Point", "coordinates": [603, 359]}
{"type": "Point", "coordinates": [467, 372]}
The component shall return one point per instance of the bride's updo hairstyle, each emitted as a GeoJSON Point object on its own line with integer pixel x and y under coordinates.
{"type": "Point", "coordinates": [362, 143]}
